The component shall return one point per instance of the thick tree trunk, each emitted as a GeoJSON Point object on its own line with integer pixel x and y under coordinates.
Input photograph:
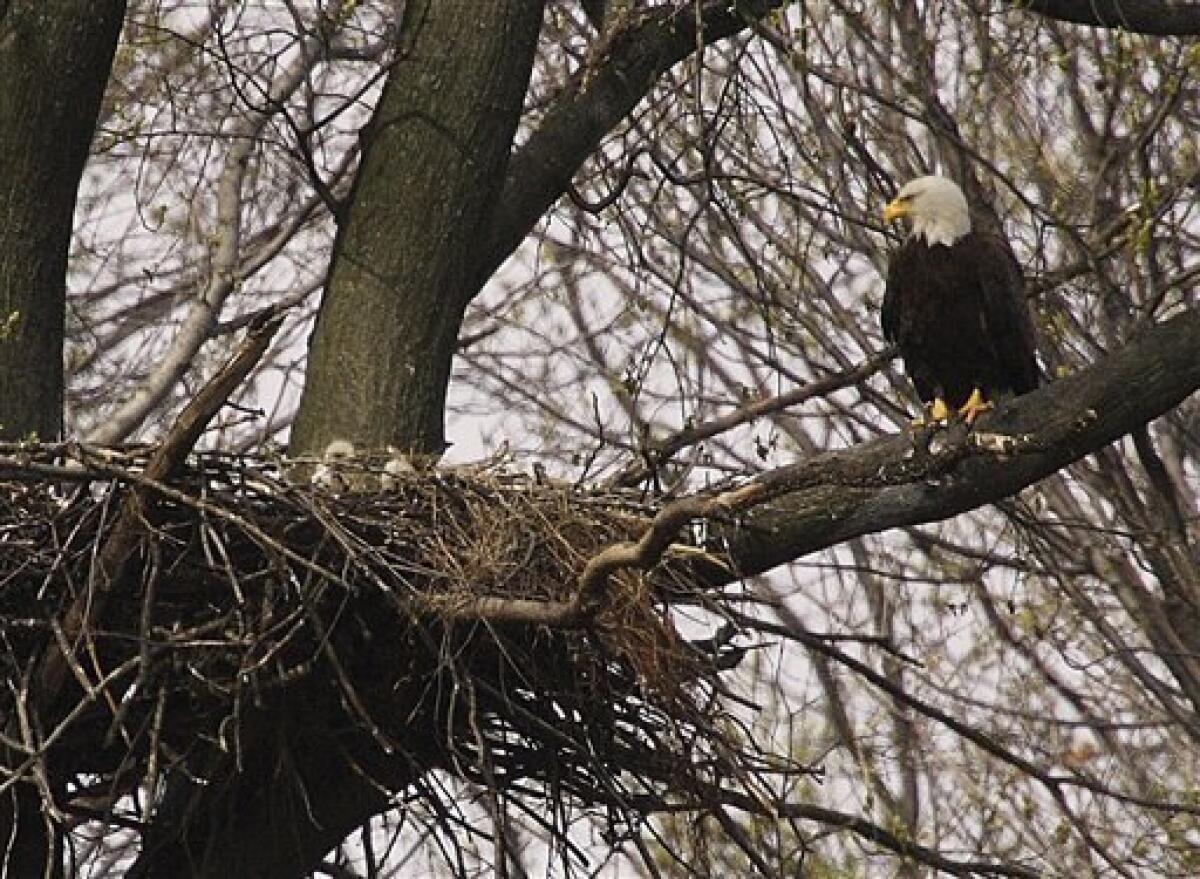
{"type": "Point", "coordinates": [54, 62]}
{"type": "Point", "coordinates": [297, 789]}
{"type": "Point", "coordinates": [402, 273]}
{"type": "Point", "coordinates": [403, 268]}
{"type": "Point", "coordinates": [55, 57]}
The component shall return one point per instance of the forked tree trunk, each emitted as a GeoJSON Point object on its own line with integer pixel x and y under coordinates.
{"type": "Point", "coordinates": [55, 57]}
{"type": "Point", "coordinates": [402, 275]}
{"type": "Point", "coordinates": [404, 264]}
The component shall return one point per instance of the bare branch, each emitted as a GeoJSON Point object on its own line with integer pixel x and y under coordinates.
{"type": "Point", "coordinates": [795, 510]}
{"type": "Point", "coordinates": [199, 325]}
{"type": "Point", "coordinates": [130, 528]}
{"type": "Point", "coordinates": [832, 497]}
{"type": "Point", "coordinates": [628, 61]}
{"type": "Point", "coordinates": [1161, 18]}
{"type": "Point", "coordinates": [663, 450]}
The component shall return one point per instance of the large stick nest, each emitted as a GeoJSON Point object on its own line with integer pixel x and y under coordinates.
{"type": "Point", "coordinates": [249, 595]}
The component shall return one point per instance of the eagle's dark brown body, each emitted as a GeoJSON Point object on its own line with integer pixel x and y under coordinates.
{"type": "Point", "coordinates": [959, 317]}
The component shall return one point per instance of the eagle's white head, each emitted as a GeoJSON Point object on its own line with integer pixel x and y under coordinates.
{"type": "Point", "coordinates": [936, 207]}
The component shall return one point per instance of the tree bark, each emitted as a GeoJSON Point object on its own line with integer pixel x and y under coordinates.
{"type": "Point", "coordinates": [55, 57]}
{"type": "Point", "coordinates": [408, 260]}
{"type": "Point", "coordinates": [1163, 18]}
{"type": "Point", "coordinates": [296, 789]}
{"type": "Point", "coordinates": [403, 273]}
{"type": "Point", "coordinates": [833, 497]}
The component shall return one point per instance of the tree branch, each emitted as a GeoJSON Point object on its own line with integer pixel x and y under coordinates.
{"type": "Point", "coordinates": [902, 846]}
{"type": "Point", "coordinates": [662, 450]}
{"type": "Point", "coordinates": [627, 64]}
{"type": "Point", "coordinates": [875, 486]}
{"type": "Point", "coordinates": [1162, 18]}
{"type": "Point", "coordinates": [789, 512]}
{"type": "Point", "coordinates": [834, 820]}
{"type": "Point", "coordinates": [200, 322]}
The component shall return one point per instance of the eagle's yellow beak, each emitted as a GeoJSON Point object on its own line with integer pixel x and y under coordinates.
{"type": "Point", "coordinates": [896, 209]}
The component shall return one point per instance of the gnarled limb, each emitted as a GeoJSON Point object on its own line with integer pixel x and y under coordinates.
{"type": "Point", "coordinates": [822, 501]}
{"type": "Point", "coordinates": [789, 512]}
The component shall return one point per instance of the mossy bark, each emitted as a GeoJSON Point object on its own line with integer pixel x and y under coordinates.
{"type": "Point", "coordinates": [404, 265]}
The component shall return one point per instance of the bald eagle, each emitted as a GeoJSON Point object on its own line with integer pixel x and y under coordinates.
{"type": "Point", "coordinates": [955, 305]}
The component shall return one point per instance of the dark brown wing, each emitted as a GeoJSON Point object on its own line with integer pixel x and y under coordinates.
{"type": "Point", "coordinates": [1007, 319]}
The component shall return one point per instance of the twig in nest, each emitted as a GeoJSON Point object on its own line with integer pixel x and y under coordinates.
{"type": "Point", "coordinates": [136, 512]}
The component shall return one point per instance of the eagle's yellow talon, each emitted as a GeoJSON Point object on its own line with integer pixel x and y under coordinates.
{"type": "Point", "coordinates": [975, 406]}
{"type": "Point", "coordinates": [936, 414]}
